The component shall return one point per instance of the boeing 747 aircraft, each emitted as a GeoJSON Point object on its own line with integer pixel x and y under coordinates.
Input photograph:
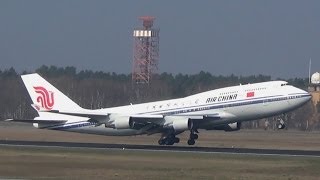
{"type": "Point", "coordinates": [219, 109]}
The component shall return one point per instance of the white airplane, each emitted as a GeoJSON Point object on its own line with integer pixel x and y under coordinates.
{"type": "Point", "coordinates": [219, 109]}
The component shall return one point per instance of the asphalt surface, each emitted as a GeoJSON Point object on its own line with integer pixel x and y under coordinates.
{"type": "Point", "coordinates": [162, 148]}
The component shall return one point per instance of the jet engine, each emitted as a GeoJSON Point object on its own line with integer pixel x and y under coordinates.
{"type": "Point", "coordinates": [229, 127]}
{"type": "Point", "coordinates": [120, 122]}
{"type": "Point", "coordinates": [178, 123]}
{"type": "Point", "coordinates": [233, 126]}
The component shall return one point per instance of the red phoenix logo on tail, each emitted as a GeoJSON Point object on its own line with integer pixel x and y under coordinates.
{"type": "Point", "coordinates": [46, 99]}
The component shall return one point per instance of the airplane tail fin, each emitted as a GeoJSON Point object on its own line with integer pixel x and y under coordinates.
{"type": "Point", "coordinates": [46, 97]}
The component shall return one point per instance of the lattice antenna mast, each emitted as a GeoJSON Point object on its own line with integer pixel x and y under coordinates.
{"type": "Point", "coordinates": [145, 51]}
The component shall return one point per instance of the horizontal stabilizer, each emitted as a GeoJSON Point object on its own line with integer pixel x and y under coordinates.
{"type": "Point", "coordinates": [39, 108]}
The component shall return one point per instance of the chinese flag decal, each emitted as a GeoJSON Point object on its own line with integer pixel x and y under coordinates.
{"type": "Point", "coordinates": [250, 94]}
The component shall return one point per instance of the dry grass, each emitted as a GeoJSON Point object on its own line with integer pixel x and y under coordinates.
{"type": "Point", "coordinates": [64, 163]}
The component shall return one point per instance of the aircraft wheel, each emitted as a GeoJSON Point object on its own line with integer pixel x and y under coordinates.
{"type": "Point", "coordinates": [194, 136]}
{"type": "Point", "coordinates": [281, 126]}
{"type": "Point", "coordinates": [161, 142]}
{"type": "Point", "coordinates": [191, 142]}
{"type": "Point", "coordinates": [176, 140]}
{"type": "Point", "coordinates": [169, 141]}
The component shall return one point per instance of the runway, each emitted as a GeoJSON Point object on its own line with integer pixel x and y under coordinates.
{"type": "Point", "coordinates": [194, 149]}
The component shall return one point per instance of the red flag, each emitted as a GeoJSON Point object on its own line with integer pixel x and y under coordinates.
{"type": "Point", "coordinates": [250, 94]}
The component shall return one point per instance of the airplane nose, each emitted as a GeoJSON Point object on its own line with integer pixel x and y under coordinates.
{"type": "Point", "coordinates": [309, 96]}
{"type": "Point", "coordinates": [298, 97]}
{"type": "Point", "coordinates": [305, 94]}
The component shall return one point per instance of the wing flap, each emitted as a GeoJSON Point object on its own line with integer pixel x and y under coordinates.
{"type": "Point", "coordinates": [36, 121]}
{"type": "Point", "coordinates": [93, 115]}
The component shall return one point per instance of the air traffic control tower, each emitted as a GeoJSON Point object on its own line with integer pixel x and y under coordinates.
{"type": "Point", "coordinates": [145, 51]}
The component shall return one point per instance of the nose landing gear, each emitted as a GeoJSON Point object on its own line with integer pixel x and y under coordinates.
{"type": "Point", "coordinates": [280, 123]}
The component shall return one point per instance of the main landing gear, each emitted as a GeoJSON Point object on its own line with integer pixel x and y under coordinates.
{"type": "Point", "coordinates": [168, 140]}
{"type": "Point", "coordinates": [193, 137]}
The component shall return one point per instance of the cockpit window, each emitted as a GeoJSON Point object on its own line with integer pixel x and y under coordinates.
{"type": "Point", "coordinates": [284, 84]}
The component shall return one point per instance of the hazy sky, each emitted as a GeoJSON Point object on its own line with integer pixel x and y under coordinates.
{"type": "Point", "coordinates": [244, 37]}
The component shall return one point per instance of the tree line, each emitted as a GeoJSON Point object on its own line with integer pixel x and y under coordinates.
{"type": "Point", "coordinates": [98, 89]}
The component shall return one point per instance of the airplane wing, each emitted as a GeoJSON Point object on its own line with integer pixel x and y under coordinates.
{"type": "Point", "coordinates": [148, 123]}
{"type": "Point", "coordinates": [98, 115]}
{"type": "Point", "coordinates": [141, 121]}
{"type": "Point", "coordinates": [36, 121]}
{"type": "Point", "coordinates": [92, 115]}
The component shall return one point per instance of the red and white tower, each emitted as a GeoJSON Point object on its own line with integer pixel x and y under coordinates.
{"type": "Point", "coordinates": [145, 51]}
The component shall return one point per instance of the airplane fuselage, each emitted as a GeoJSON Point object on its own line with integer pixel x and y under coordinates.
{"type": "Point", "coordinates": [210, 108]}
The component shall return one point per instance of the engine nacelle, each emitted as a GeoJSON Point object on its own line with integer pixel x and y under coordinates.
{"type": "Point", "coordinates": [229, 127]}
{"type": "Point", "coordinates": [236, 126]}
{"type": "Point", "coordinates": [178, 123]}
{"type": "Point", "coordinates": [120, 122]}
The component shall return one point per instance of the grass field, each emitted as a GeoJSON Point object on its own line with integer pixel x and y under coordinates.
{"type": "Point", "coordinates": [70, 163]}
